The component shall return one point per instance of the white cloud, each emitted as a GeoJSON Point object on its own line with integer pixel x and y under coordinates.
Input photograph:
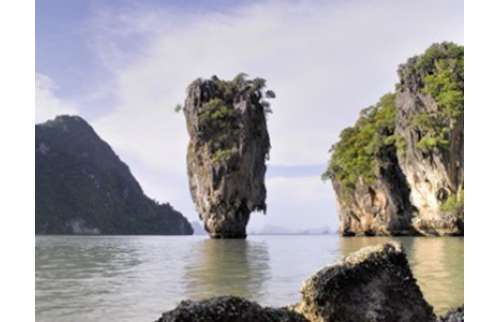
{"type": "Point", "coordinates": [325, 60]}
{"type": "Point", "coordinates": [48, 104]}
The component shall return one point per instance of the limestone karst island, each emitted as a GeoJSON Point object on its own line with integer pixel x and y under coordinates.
{"type": "Point", "coordinates": [400, 169]}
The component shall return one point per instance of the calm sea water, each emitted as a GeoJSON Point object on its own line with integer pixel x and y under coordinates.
{"type": "Point", "coordinates": [136, 278]}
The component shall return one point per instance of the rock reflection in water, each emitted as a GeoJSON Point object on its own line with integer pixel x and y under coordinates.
{"type": "Point", "coordinates": [227, 267]}
{"type": "Point", "coordinates": [438, 267]}
{"type": "Point", "coordinates": [437, 264]}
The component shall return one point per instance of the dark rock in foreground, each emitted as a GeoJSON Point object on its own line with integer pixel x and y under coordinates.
{"type": "Point", "coordinates": [82, 187]}
{"type": "Point", "coordinates": [227, 309]}
{"type": "Point", "coordinates": [374, 284]}
{"type": "Point", "coordinates": [455, 315]}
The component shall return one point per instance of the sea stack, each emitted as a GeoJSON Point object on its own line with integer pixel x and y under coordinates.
{"type": "Point", "coordinates": [228, 148]}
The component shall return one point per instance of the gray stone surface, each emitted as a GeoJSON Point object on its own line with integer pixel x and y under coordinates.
{"type": "Point", "coordinates": [228, 309]}
{"type": "Point", "coordinates": [454, 315]}
{"type": "Point", "coordinates": [374, 284]}
{"type": "Point", "coordinates": [227, 152]}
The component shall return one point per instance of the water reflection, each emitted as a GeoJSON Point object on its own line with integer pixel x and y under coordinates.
{"type": "Point", "coordinates": [227, 267]}
{"type": "Point", "coordinates": [437, 264]}
{"type": "Point", "coordinates": [438, 267]}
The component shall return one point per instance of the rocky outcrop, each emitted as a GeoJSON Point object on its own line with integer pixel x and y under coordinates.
{"type": "Point", "coordinates": [227, 151]}
{"type": "Point", "coordinates": [433, 158]}
{"type": "Point", "coordinates": [82, 187]}
{"type": "Point", "coordinates": [378, 208]}
{"type": "Point", "coordinates": [400, 169]}
{"type": "Point", "coordinates": [374, 284]}
{"type": "Point", "coordinates": [226, 309]}
{"type": "Point", "coordinates": [454, 315]}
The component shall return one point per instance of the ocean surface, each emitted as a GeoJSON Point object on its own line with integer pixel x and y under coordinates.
{"type": "Point", "coordinates": [136, 278]}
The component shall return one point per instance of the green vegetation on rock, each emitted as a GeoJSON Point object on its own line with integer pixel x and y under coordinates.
{"type": "Point", "coordinates": [409, 139]}
{"type": "Point", "coordinates": [222, 155]}
{"type": "Point", "coordinates": [442, 75]}
{"type": "Point", "coordinates": [439, 72]}
{"type": "Point", "coordinates": [354, 156]}
{"type": "Point", "coordinates": [218, 117]}
{"type": "Point", "coordinates": [82, 187]}
{"type": "Point", "coordinates": [454, 202]}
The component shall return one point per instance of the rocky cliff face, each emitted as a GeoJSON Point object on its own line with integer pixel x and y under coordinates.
{"type": "Point", "coordinates": [372, 192]}
{"type": "Point", "coordinates": [228, 147]}
{"type": "Point", "coordinates": [380, 207]}
{"type": "Point", "coordinates": [399, 169]}
{"type": "Point", "coordinates": [82, 187]}
{"type": "Point", "coordinates": [432, 124]}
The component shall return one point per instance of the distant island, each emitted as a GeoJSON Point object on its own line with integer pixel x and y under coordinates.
{"type": "Point", "coordinates": [198, 229]}
{"type": "Point", "coordinates": [400, 169]}
{"type": "Point", "coordinates": [278, 230]}
{"type": "Point", "coordinates": [82, 187]}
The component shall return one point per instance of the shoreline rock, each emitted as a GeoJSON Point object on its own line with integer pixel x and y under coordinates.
{"type": "Point", "coordinates": [453, 315]}
{"type": "Point", "coordinates": [374, 284]}
{"type": "Point", "coordinates": [228, 308]}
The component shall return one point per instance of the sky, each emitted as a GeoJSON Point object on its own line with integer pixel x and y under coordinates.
{"type": "Point", "coordinates": [124, 65]}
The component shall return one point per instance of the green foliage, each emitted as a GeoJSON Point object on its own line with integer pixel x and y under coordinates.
{"type": "Point", "coordinates": [439, 73]}
{"type": "Point", "coordinates": [222, 155]}
{"type": "Point", "coordinates": [425, 63]}
{"type": "Point", "coordinates": [218, 117]}
{"type": "Point", "coordinates": [215, 112]}
{"type": "Point", "coordinates": [178, 108]}
{"type": "Point", "coordinates": [442, 72]}
{"type": "Point", "coordinates": [270, 94]}
{"type": "Point", "coordinates": [240, 85]}
{"type": "Point", "coordinates": [454, 202]}
{"type": "Point", "coordinates": [353, 156]}
{"type": "Point", "coordinates": [217, 121]}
